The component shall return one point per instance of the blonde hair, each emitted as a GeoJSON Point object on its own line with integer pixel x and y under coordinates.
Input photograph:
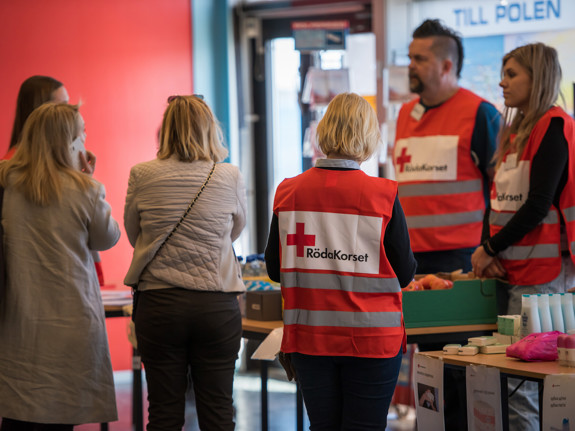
{"type": "Point", "coordinates": [190, 130]}
{"type": "Point", "coordinates": [542, 64]}
{"type": "Point", "coordinates": [43, 155]}
{"type": "Point", "coordinates": [349, 128]}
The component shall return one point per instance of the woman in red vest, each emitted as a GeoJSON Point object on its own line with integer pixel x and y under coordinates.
{"type": "Point", "coordinates": [532, 208]}
{"type": "Point", "coordinates": [339, 245]}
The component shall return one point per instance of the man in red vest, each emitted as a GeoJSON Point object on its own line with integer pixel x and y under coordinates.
{"type": "Point", "coordinates": [445, 140]}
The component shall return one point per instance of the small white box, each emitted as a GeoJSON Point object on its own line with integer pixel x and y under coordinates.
{"type": "Point", "coordinates": [468, 350]}
{"type": "Point", "coordinates": [493, 348]}
{"type": "Point", "coordinates": [482, 341]}
{"type": "Point", "coordinates": [503, 339]}
{"type": "Point", "coordinates": [451, 349]}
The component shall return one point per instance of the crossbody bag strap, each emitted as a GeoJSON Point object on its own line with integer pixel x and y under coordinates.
{"type": "Point", "coordinates": [135, 288]}
{"type": "Point", "coordinates": [189, 208]}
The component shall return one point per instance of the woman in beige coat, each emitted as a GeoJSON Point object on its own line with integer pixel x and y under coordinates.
{"type": "Point", "coordinates": [55, 368]}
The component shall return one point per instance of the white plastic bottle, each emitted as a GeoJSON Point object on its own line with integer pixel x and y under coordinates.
{"type": "Point", "coordinates": [556, 312]}
{"type": "Point", "coordinates": [568, 312]}
{"type": "Point", "coordinates": [530, 322]}
{"type": "Point", "coordinates": [544, 312]}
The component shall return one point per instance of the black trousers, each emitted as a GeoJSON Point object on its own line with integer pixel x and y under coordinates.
{"type": "Point", "coordinates": [15, 425]}
{"type": "Point", "coordinates": [182, 331]}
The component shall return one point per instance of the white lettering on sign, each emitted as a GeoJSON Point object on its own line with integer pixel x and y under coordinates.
{"type": "Point", "coordinates": [511, 185]}
{"type": "Point", "coordinates": [426, 158]}
{"type": "Point", "coordinates": [330, 241]}
{"type": "Point", "coordinates": [487, 17]}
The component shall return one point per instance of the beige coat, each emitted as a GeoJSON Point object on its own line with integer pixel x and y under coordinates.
{"type": "Point", "coordinates": [54, 359]}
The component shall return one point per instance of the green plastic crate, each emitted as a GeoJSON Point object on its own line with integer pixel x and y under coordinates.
{"type": "Point", "coordinates": [468, 302]}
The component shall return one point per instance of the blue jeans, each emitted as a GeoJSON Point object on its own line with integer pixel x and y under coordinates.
{"type": "Point", "coordinates": [346, 393]}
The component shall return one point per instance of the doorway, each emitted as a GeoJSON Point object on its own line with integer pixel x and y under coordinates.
{"type": "Point", "coordinates": [281, 91]}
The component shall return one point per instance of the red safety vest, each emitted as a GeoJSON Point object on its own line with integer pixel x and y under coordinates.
{"type": "Point", "coordinates": [440, 187]}
{"type": "Point", "coordinates": [341, 296]}
{"type": "Point", "coordinates": [536, 258]}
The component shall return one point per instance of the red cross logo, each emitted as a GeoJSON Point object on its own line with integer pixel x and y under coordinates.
{"type": "Point", "coordinates": [300, 239]}
{"type": "Point", "coordinates": [403, 159]}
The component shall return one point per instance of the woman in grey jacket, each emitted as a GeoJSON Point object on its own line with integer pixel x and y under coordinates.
{"type": "Point", "coordinates": [187, 314]}
{"type": "Point", "coordinates": [55, 368]}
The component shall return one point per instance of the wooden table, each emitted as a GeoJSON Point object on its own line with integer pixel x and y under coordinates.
{"type": "Point", "coordinates": [532, 370]}
{"type": "Point", "coordinates": [509, 367]}
{"type": "Point", "coordinates": [258, 330]}
{"type": "Point", "coordinates": [448, 334]}
{"type": "Point", "coordinates": [262, 328]}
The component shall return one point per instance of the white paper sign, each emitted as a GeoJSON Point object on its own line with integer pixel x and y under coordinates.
{"type": "Point", "coordinates": [512, 188]}
{"type": "Point", "coordinates": [559, 402]}
{"type": "Point", "coordinates": [483, 398]}
{"type": "Point", "coordinates": [426, 158]}
{"type": "Point", "coordinates": [308, 241]}
{"type": "Point", "coordinates": [270, 347]}
{"type": "Point", "coordinates": [428, 390]}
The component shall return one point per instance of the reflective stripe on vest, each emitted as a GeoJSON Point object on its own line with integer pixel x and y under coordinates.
{"type": "Point", "coordinates": [346, 319]}
{"type": "Point", "coordinates": [439, 220]}
{"type": "Point", "coordinates": [440, 188]}
{"type": "Point", "coordinates": [522, 252]}
{"type": "Point", "coordinates": [501, 219]}
{"type": "Point", "coordinates": [569, 214]}
{"type": "Point", "coordinates": [346, 283]}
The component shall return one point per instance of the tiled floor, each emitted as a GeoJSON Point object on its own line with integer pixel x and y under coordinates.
{"type": "Point", "coordinates": [281, 402]}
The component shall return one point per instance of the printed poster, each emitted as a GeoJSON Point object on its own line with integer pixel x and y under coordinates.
{"type": "Point", "coordinates": [559, 403]}
{"type": "Point", "coordinates": [483, 398]}
{"type": "Point", "coordinates": [428, 390]}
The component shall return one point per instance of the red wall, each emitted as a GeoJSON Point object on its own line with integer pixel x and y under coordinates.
{"type": "Point", "coordinates": [121, 58]}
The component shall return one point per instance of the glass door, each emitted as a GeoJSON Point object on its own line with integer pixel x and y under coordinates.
{"type": "Point", "coordinates": [283, 91]}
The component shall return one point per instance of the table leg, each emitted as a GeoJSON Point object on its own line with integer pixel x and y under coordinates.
{"type": "Point", "coordinates": [504, 402]}
{"type": "Point", "coordinates": [137, 401]}
{"type": "Point", "coordinates": [540, 393]}
{"type": "Point", "coordinates": [264, 393]}
{"type": "Point", "coordinates": [299, 407]}
{"type": "Point", "coordinates": [104, 426]}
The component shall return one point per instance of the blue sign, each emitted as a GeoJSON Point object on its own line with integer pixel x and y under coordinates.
{"type": "Point", "coordinates": [481, 18]}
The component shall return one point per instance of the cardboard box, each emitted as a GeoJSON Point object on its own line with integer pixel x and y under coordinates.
{"type": "Point", "coordinates": [264, 305]}
{"type": "Point", "coordinates": [468, 302]}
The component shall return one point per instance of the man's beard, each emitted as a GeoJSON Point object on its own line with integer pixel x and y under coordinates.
{"type": "Point", "coordinates": [417, 86]}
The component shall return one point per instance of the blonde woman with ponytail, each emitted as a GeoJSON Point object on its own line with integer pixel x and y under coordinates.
{"type": "Point", "coordinates": [55, 368]}
{"type": "Point", "coordinates": [531, 239]}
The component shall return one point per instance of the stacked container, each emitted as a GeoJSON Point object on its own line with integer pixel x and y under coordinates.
{"type": "Point", "coordinates": [547, 312]}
